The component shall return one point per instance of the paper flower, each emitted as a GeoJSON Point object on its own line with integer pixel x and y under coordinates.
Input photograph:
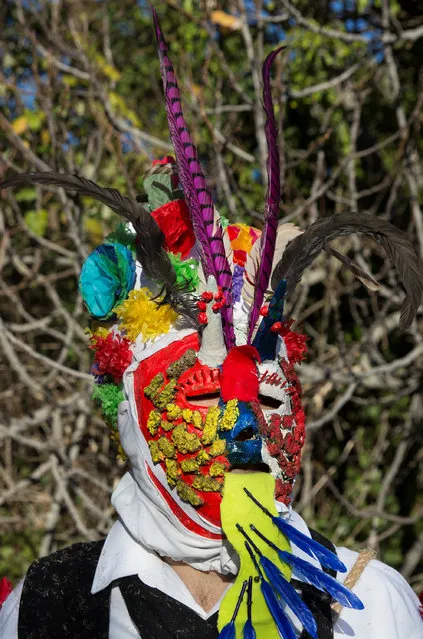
{"type": "Point", "coordinates": [107, 276]}
{"type": "Point", "coordinates": [174, 221]}
{"type": "Point", "coordinates": [140, 315]}
{"type": "Point", "coordinates": [186, 271]}
{"type": "Point", "coordinates": [112, 355]}
{"type": "Point", "coordinates": [295, 342]}
{"type": "Point", "coordinates": [242, 238]}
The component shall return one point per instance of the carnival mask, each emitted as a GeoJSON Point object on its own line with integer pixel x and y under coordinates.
{"type": "Point", "coordinates": [202, 421]}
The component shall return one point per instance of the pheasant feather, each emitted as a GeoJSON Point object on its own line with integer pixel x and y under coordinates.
{"type": "Point", "coordinates": [273, 196]}
{"type": "Point", "coordinates": [209, 235]}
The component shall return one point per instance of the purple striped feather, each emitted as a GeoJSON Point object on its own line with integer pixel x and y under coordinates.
{"type": "Point", "coordinates": [273, 196]}
{"type": "Point", "coordinates": [208, 234]}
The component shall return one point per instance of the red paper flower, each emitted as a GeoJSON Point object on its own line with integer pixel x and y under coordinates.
{"type": "Point", "coordinates": [296, 343]}
{"type": "Point", "coordinates": [239, 256]}
{"type": "Point", "coordinates": [174, 221]}
{"type": "Point", "coordinates": [5, 590]}
{"type": "Point", "coordinates": [112, 355]}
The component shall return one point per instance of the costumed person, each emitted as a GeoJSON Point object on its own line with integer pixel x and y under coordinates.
{"type": "Point", "coordinates": [194, 368]}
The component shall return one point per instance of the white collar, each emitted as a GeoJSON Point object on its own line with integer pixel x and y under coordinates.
{"type": "Point", "coordinates": [123, 556]}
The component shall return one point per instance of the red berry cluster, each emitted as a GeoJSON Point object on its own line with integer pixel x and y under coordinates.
{"type": "Point", "coordinates": [206, 298]}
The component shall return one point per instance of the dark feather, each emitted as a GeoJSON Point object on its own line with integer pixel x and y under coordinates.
{"type": "Point", "coordinates": [149, 246]}
{"type": "Point", "coordinates": [362, 275]}
{"type": "Point", "coordinates": [301, 252]}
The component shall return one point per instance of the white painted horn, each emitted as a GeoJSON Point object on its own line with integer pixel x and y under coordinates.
{"type": "Point", "coordinates": [213, 349]}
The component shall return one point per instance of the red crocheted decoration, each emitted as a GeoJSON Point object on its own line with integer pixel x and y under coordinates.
{"type": "Point", "coordinates": [5, 590]}
{"type": "Point", "coordinates": [174, 221]}
{"type": "Point", "coordinates": [296, 343]}
{"type": "Point", "coordinates": [285, 446]}
{"type": "Point", "coordinates": [112, 355]}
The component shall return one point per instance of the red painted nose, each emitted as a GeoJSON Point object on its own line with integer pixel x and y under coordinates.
{"type": "Point", "coordinates": [239, 378]}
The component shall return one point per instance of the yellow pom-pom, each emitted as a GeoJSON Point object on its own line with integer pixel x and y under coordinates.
{"type": "Point", "coordinates": [153, 422]}
{"type": "Point", "coordinates": [210, 426]}
{"type": "Point", "coordinates": [230, 415]}
{"type": "Point", "coordinates": [217, 448]}
{"type": "Point", "coordinates": [173, 411]}
{"type": "Point", "coordinates": [172, 472]}
{"type": "Point", "coordinates": [140, 315]}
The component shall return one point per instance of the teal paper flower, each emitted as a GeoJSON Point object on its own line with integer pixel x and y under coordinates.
{"type": "Point", "coordinates": [107, 276]}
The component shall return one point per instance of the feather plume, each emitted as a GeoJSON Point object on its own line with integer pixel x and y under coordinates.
{"type": "Point", "coordinates": [248, 631]}
{"type": "Point", "coordinates": [322, 581]}
{"type": "Point", "coordinates": [276, 610]}
{"type": "Point", "coordinates": [273, 196]}
{"type": "Point", "coordinates": [284, 234]}
{"type": "Point", "coordinates": [199, 200]}
{"type": "Point", "coordinates": [150, 252]}
{"type": "Point", "coordinates": [308, 545]}
{"type": "Point", "coordinates": [265, 340]}
{"type": "Point", "coordinates": [304, 249]}
{"type": "Point", "coordinates": [229, 631]}
{"type": "Point", "coordinates": [289, 595]}
{"type": "Point", "coordinates": [364, 277]}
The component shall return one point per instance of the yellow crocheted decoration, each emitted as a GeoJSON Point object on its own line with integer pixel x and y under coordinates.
{"type": "Point", "coordinates": [140, 315]}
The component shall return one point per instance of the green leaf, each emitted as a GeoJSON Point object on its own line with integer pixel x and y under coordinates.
{"type": "Point", "coordinates": [37, 221]}
{"type": "Point", "coordinates": [27, 194]}
{"type": "Point", "coordinates": [34, 119]}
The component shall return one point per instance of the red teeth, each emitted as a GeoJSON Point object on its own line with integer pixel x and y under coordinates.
{"type": "Point", "coordinates": [199, 380]}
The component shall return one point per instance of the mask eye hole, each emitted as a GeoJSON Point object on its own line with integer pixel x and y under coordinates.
{"type": "Point", "coordinates": [269, 403]}
{"type": "Point", "coordinates": [204, 401]}
{"type": "Point", "coordinates": [246, 434]}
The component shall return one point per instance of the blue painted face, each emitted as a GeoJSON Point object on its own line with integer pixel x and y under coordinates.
{"type": "Point", "coordinates": [243, 441]}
